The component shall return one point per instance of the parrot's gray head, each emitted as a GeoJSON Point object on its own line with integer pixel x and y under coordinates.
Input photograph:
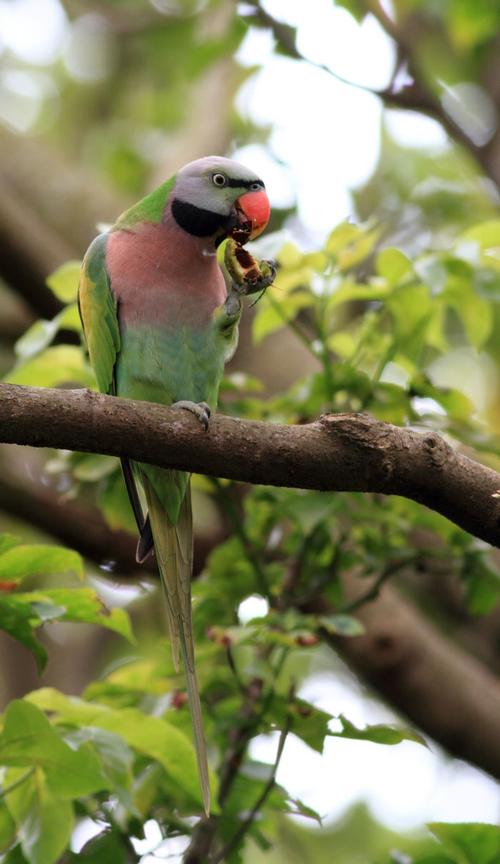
{"type": "Point", "coordinates": [213, 195]}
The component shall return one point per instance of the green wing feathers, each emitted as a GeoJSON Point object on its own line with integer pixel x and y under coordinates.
{"type": "Point", "coordinates": [174, 554]}
{"type": "Point", "coordinates": [97, 305]}
{"type": "Point", "coordinates": [167, 493]}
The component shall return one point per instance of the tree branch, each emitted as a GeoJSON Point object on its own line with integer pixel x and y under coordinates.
{"type": "Point", "coordinates": [445, 691]}
{"type": "Point", "coordinates": [339, 452]}
{"type": "Point", "coordinates": [415, 96]}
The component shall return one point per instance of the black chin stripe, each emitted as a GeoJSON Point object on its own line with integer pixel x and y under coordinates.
{"type": "Point", "coordinates": [196, 221]}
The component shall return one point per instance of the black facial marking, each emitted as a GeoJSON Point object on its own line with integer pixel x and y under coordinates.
{"type": "Point", "coordinates": [244, 184]}
{"type": "Point", "coordinates": [196, 221]}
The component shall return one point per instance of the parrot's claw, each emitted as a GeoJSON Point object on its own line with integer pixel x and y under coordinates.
{"type": "Point", "coordinates": [266, 278]}
{"type": "Point", "coordinates": [201, 410]}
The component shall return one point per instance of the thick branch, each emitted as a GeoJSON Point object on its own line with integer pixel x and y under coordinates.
{"type": "Point", "coordinates": [340, 452]}
{"type": "Point", "coordinates": [450, 695]}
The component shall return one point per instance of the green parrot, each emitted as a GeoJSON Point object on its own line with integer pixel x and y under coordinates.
{"type": "Point", "coordinates": [159, 325]}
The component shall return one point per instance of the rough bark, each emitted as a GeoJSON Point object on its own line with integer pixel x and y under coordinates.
{"type": "Point", "coordinates": [450, 695]}
{"type": "Point", "coordinates": [339, 452]}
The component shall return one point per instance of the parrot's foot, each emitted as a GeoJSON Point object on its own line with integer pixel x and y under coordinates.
{"type": "Point", "coordinates": [266, 277]}
{"type": "Point", "coordinates": [200, 410]}
{"type": "Point", "coordinates": [249, 275]}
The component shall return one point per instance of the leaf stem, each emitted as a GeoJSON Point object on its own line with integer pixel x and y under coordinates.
{"type": "Point", "coordinates": [247, 822]}
{"type": "Point", "coordinates": [20, 780]}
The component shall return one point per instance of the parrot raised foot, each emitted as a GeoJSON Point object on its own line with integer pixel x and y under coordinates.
{"type": "Point", "coordinates": [159, 326]}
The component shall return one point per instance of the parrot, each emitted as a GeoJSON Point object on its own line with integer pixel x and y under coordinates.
{"type": "Point", "coordinates": [159, 324]}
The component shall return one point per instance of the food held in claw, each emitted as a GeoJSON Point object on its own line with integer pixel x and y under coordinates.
{"type": "Point", "coordinates": [248, 274]}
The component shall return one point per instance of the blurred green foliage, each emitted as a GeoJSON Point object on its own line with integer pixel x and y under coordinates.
{"type": "Point", "coordinates": [398, 315]}
{"type": "Point", "coordinates": [376, 324]}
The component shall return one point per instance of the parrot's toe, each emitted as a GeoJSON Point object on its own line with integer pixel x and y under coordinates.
{"type": "Point", "coordinates": [201, 410]}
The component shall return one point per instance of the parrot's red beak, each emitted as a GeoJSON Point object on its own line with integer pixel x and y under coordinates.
{"type": "Point", "coordinates": [253, 210]}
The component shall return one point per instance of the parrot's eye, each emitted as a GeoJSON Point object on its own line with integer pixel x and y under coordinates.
{"type": "Point", "coordinates": [219, 180]}
{"type": "Point", "coordinates": [256, 186]}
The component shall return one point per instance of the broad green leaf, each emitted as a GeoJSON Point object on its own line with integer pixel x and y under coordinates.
{"type": "Point", "coordinates": [8, 541]}
{"type": "Point", "coordinates": [44, 821]}
{"type": "Point", "coordinates": [412, 310]}
{"type": "Point", "coordinates": [19, 562]}
{"type": "Point", "coordinates": [57, 365]}
{"type": "Point", "coordinates": [69, 709]}
{"type": "Point", "coordinates": [476, 843]}
{"type": "Point", "coordinates": [29, 740]}
{"type": "Point", "coordinates": [379, 734]}
{"type": "Point", "coordinates": [41, 333]}
{"type": "Point", "coordinates": [35, 339]}
{"type": "Point", "coordinates": [7, 826]}
{"type": "Point", "coordinates": [274, 315]}
{"type": "Point", "coordinates": [19, 619]}
{"type": "Point", "coordinates": [393, 265]}
{"type": "Point", "coordinates": [64, 281]}
{"type": "Point", "coordinates": [486, 234]}
{"type": "Point", "coordinates": [85, 606]}
{"type": "Point", "coordinates": [358, 249]}
{"type": "Point", "coordinates": [347, 292]}
{"type": "Point", "coordinates": [475, 312]}
{"type": "Point", "coordinates": [305, 720]}
{"type": "Point", "coordinates": [161, 741]}
{"type": "Point", "coordinates": [115, 756]}
{"type": "Point", "coordinates": [342, 236]}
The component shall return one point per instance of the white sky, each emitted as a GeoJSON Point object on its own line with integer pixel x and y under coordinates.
{"type": "Point", "coordinates": [326, 140]}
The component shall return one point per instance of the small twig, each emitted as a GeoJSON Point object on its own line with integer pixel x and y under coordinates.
{"type": "Point", "coordinates": [374, 591]}
{"type": "Point", "coordinates": [247, 822]}
{"type": "Point", "coordinates": [234, 669]}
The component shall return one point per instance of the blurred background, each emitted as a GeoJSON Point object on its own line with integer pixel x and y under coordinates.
{"type": "Point", "coordinates": [380, 113]}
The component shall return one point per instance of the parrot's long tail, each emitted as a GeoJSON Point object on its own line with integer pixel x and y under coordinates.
{"type": "Point", "coordinates": [174, 553]}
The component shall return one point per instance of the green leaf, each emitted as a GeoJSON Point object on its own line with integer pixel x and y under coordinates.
{"type": "Point", "coordinates": [41, 333]}
{"type": "Point", "coordinates": [90, 467]}
{"type": "Point", "coordinates": [379, 734]}
{"type": "Point", "coordinates": [29, 740]}
{"type": "Point", "coordinates": [307, 722]}
{"type": "Point", "coordinates": [64, 281]}
{"type": "Point", "coordinates": [347, 292]}
{"type": "Point", "coordinates": [19, 562]}
{"type": "Point", "coordinates": [298, 808]}
{"type": "Point", "coordinates": [107, 848]}
{"type": "Point", "coordinates": [85, 606]}
{"type": "Point", "coordinates": [7, 827]}
{"type": "Point", "coordinates": [70, 709]}
{"type": "Point", "coordinates": [44, 821]}
{"type": "Point", "coordinates": [393, 265]}
{"type": "Point", "coordinates": [115, 756]}
{"type": "Point", "coordinates": [475, 312]}
{"type": "Point", "coordinates": [482, 581]}
{"type": "Point", "coordinates": [341, 625]}
{"type": "Point", "coordinates": [477, 843]}
{"type": "Point", "coordinates": [486, 234]}
{"type": "Point", "coordinates": [8, 541]}
{"type": "Point", "coordinates": [273, 315]}
{"type": "Point", "coordinates": [57, 365]}
{"type": "Point", "coordinates": [18, 619]}
{"type": "Point", "coordinates": [160, 740]}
